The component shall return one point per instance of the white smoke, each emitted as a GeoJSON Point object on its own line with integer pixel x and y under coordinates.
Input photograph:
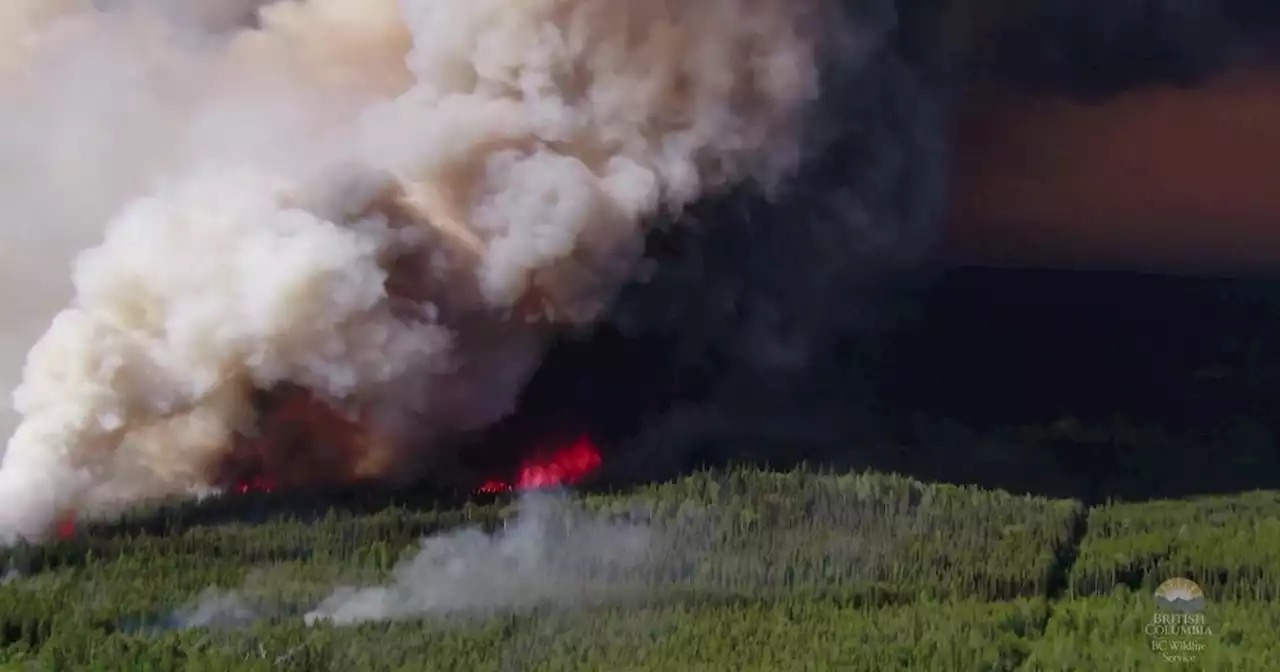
{"type": "Point", "coordinates": [350, 197]}
{"type": "Point", "coordinates": [216, 609]}
{"type": "Point", "coordinates": [552, 553]}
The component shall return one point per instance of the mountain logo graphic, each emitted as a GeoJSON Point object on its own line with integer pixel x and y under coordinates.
{"type": "Point", "coordinates": [1179, 594]}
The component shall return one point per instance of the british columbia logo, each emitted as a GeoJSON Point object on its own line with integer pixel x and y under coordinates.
{"type": "Point", "coordinates": [1179, 631]}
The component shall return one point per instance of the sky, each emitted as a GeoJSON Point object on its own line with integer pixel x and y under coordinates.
{"type": "Point", "coordinates": [1162, 179]}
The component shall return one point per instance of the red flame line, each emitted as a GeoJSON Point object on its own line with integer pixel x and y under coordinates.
{"type": "Point", "coordinates": [255, 484]}
{"type": "Point", "coordinates": [66, 528]}
{"type": "Point", "coordinates": [565, 466]}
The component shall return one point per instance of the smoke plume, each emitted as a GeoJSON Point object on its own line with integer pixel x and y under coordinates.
{"type": "Point", "coordinates": [768, 345]}
{"type": "Point", "coordinates": [386, 204]}
{"type": "Point", "coordinates": [377, 214]}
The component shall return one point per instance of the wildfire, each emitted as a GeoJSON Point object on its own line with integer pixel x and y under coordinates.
{"type": "Point", "coordinates": [255, 484]}
{"type": "Point", "coordinates": [566, 465]}
{"type": "Point", "coordinates": [562, 466]}
{"type": "Point", "coordinates": [67, 528]}
{"type": "Point", "coordinates": [302, 441]}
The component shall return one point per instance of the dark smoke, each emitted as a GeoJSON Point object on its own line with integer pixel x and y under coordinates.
{"type": "Point", "coordinates": [758, 331]}
{"type": "Point", "coordinates": [1095, 50]}
{"type": "Point", "coordinates": [775, 276]}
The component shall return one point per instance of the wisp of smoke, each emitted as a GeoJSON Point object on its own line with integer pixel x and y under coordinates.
{"type": "Point", "coordinates": [550, 554]}
{"type": "Point", "coordinates": [215, 609]}
{"type": "Point", "coordinates": [387, 204]}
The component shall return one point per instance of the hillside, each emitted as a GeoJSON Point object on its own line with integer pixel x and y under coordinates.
{"type": "Point", "coordinates": [741, 569]}
{"type": "Point", "coordinates": [1065, 444]}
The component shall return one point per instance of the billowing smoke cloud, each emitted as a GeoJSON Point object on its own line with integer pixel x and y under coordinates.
{"type": "Point", "coordinates": [385, 204]}
{"type": "Point", "coordinates": [391, 206]}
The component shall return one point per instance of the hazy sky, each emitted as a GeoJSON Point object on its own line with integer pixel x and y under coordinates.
{"type": "Point", "coordinates": [1162, 178]}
